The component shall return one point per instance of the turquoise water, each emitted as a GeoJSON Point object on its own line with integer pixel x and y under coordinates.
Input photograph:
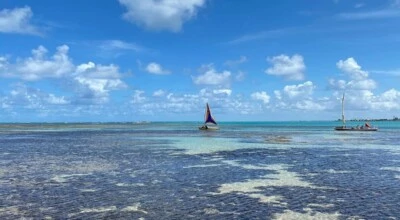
{"type": "Point", "coordinates": [171, 170]}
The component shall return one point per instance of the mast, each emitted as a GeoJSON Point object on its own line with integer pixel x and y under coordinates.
{"type": "Point", "coordinates": [343, 120]}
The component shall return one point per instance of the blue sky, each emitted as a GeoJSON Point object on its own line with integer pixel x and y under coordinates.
{"type": "Point", "coordinates": [162, 60]}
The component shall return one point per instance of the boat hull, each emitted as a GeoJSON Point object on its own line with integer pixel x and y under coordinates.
{"type": "Point", "coordinates": [355, 129]}
{"type": "Point", "coordinates": [208, 128]}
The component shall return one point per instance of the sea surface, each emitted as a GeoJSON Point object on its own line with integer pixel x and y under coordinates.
{"type": "Point", "coordinates": [172, 170]}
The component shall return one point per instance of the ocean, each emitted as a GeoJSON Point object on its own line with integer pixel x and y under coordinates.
{"type": "Point", "coordinates": [172, 170]}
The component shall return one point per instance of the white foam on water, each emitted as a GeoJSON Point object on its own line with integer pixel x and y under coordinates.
{"type": "Point", "coordinates": [211, 211]}
{"type": "Point", "coordinates": [321, 205]}
{"type": "Point", "coordinates": [281, 178]}
{"type": "Point", "coordinates": [129, 184]}
{"type": "Point", "coordinates": [134, 208]}
{"type": "Point", "coordinates": [274, 200]}
{"type": "Point", "coordinates": [99, 209]}
{"type": "Point", "coordinates": [202, 166]}
{"type": "Point", "coordinates": [203, 145]}
{"type": "Point", "coordinates": [397, 169]}
{"type": "Point", "coordinates": [214, 211]}
{"type": "Point", "coordinates": [11, 210]}
{"type": "Point", "coordinates": [63, 178]}
{"type": "Point", "coordinates": [309, 215]}
{"type": "Point", "coordinates": [332, 171]}
{"type": "Point", "coordinates": [88, 190]}
{"type": "Point", "coordinates": [252, 187]}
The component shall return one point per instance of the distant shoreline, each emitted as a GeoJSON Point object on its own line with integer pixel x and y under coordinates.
{"type": "Point", "coordinates": [383, 119]}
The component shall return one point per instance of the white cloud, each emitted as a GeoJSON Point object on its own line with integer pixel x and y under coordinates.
{"type": "Point", "coordinates": [17, 20]}
{"type": "Point", "coordinates": [161, 14]}
{"type": "Point", "coordinates": [337, 84]}
{"type": "Point", "coordinates": [299, 91]}
{"type": "Point", "coordinates": [159, 93]}
{"type": "Point", "coordinates": [392, 10]}
{"type": "Point", "coordinates": [39, 66]}
{"type": "Point", "coordinates": [240, 76]}
{"type": "Point", "coordinates": [298, 97]}
{"type": "Point", "coordinates": [94, 82]}
{"type": "Point", "coordinates": [291, 68]}
{"type": "Point", "coordinates": [263, 96]}
{"type": "Point", "coordinates": [120, 45]}
{"type": "Point", "coordinates": [309, 105]}
{"type": "Point", "coordinates": [212, 77]}
{"type": "Point", "coordinates": [32, 98]}
{"type": "Point", "coordinates": [391, 95]}
{"type": "Point", "coordinates": [155, 68]}
{"type": "Point", "coordinates": [3, 63]}
{"type": "Point", "coordinates": [85, 66]}
{"type": "Point", "coordinates": [138, 97]}
{"type": "Point", "coordinates": [278, 94]}
{"type": "Point", "coordinates": [227, 92]}
{"type": "Point", "coordinates": [366, 84]}
{"type": "Point", "coordinates": [358, 78]}
{"type": "Point", "coordinates": [389, 100]}
{"type": "Point", "coordinates": [395, 72]}
{"type": "Point", "coordinates": [359, 5]}
{"type": "Point", "coordinates": [52, 99]}
{"type": "Point", "coordinates": [91, 83]}
{"type": "Point", "coordinates": [378, 14]}
{"type": "Point", "coordinates": [351, 67]}
{"type": "Point", "coordinates": [261, 35]}
{"type": "Point", "coordinates": [232, 63]}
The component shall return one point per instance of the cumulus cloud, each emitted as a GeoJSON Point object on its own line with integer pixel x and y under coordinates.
{"type": "Point", "coordinates": [3, 63]}
{"type": "Point", "coordinates": [263, 96]}
{"type": "Point", "coordinates": [40, 66]}
{"type": "Point", "coordinates": [161, 14]}
{"type": "Point", "coordinates": [159, 93]}
{"type": "Point", "coordinates": [155, 68]}
{"type": "Point", "coordinates": [298, 97]}
{"type": "Point", "coordinates": [212, 77]}
{"type": "Point", "coordinates": [292, 68]}
{"type": "Point", "coordinates": [359, 79]}
{"type": "Point", "coordinates": [95, 81]}
{"type": "Point", "coordinates": [17, 20]}
{"type": "Point", "coordinates": [32, 98]}
{"type": "Point", "coordinates": [227, 92]}
{"type": "Point", "coordinates": [90, 82]}
{"type": "Point", "coordinates": [351, 67]}
{"type": "Point", "coordinates": [303, 90]}
{"type": "Point", "coordinates": [389, 100]}
{"type": "Point", "coordinates": [138, 97]}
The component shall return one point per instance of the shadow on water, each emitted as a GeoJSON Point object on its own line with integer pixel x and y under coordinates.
{"type": "Point", "coordinates": [83, 175]}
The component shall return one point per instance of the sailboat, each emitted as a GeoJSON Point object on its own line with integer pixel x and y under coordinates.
{"type": "Point", "coordinates": [365, 127]}
{"type": "Point", "coordinates": [209, 121]}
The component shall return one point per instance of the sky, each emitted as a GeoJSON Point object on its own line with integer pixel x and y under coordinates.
{"type": "Point", "coordinates": [163, 60]}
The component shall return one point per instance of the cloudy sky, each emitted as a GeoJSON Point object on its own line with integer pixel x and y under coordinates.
{"type": "Point", "coordinates": [162, 60]}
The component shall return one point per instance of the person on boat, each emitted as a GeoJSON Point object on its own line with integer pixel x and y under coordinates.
{"type": "Point", "coordinates": [204, 127]}
{"type": "Point", "coordinates": [367, 125]}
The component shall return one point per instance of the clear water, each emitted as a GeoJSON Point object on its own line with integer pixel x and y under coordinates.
{"type": "Point", "coordinates": [165, 170]}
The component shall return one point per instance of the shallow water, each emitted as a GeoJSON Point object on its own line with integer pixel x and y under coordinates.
{"type": "Point", "coordinates": [263, 170]}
